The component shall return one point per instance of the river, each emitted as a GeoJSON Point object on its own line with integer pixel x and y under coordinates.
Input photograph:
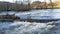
{"type": "Point", "coordinates": [36, 14]}
{"type": "Point", "coordinates": [20, 27]}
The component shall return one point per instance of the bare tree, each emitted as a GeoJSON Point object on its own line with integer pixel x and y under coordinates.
{"type": "Point", "coordinates": [45, 4]}
{"type": "Point", "coordinates": [51, 3]}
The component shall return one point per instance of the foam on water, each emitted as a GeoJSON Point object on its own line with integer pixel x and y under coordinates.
{"type": "Point", "coordinates": [26, 28]}
{"type": "Point", "coordinates": [33, 27]}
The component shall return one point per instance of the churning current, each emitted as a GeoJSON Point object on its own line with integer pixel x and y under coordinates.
{"type": "Point", "coordinates": [20, 27]}
{"type": "Point", "coordinates": [29, 28]}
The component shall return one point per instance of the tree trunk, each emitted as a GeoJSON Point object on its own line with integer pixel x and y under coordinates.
{"type": "Point", "coordinates": [45, 4]}
{"type": "Point", "coordinates": [51, 3]}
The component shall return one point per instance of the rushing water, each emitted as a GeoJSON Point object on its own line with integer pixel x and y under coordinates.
{"type": "Point", "coordinates": [36, 14]}
{"type": "Point", "coordinates": [19, 27]}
